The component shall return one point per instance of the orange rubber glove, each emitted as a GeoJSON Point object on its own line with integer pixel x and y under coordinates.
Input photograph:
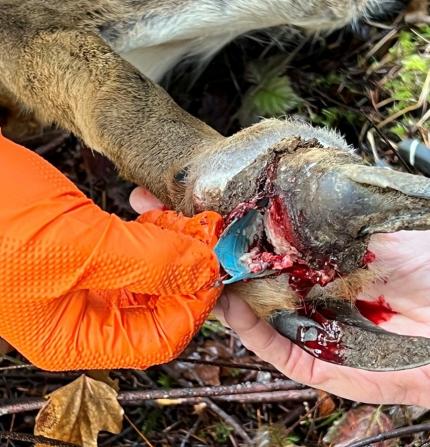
{"type": "Point", "coordinates": [82, 289]}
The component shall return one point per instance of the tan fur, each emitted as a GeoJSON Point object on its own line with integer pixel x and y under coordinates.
{"type": "Point", "coordinates": [58, 61]}
{"type": "Point", "coordinates": [267, 295]}
{"type": "Point", "coordinates": [346, 288]}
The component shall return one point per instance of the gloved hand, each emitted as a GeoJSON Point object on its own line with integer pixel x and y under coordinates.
{"type": "Point", "coordinates": [82, 289]}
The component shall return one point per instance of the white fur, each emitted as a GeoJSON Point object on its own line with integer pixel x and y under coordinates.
{"type": "Point", "coordinates": [156, 61]}
{"type": "Point", "coordinates": [163, 37]}
{"type": "Point", "coordinates": [208, 18]}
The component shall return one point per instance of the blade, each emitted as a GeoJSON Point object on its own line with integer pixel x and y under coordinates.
{"type": "Point", "coordinates": [234, 243]}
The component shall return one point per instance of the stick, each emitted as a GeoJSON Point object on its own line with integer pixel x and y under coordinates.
{"type": "Point", "coordinates": [256, 367]}
{"type": "Point", "coordinates": [272, 397]}
{"type": "Point", "coordinates": [24, 437]}
{"type": "Point", "coordinates": [399, 432]}
{"type": "Point", "coordinates": [128, 397]}
{"type": "Point", "coordinates": [209, 391]}
{"type": "Point", "coordinates": [230, 420]}
{"type": "Point", "coordinates": [22, 406]}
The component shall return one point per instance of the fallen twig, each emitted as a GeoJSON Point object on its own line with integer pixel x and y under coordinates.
{"type": "Point", "coordinates": [397, 433]}
{"type": "Point", "coordinates": [246, 366]}
{"type": "Point", "coordinates": [208, 391]}
{"type": "Point", "coordinates": [230, 420]}
{"type": "Point", "coordinates": [22, 406]}
{"type": "Point", "coordinates": [139, 432]}
{"type": "Point", "coordinates": [191, 432]}
{"type": "Point", "coordinates": [420, 103]}
{"type": "Point", "coordinates": [128, 397]}
{"type": "Point", "coordinates": [271, 397]}
{"type": "Point", "coordinates": [13, 367]}
{"type": "Point", "coordinates": [25, 437]}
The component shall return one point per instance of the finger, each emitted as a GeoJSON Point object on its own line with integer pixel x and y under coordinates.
{"type": "Point", "coordinates": [371, 387]}
{"type": "Point", "coordinates": [218, 311]}
{"type": "Point", "coordinates": [258, 336]}
{"type": "Point", "coordinates": [141, 200]}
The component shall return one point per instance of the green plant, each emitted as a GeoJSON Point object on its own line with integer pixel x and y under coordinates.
{"type": "Point", "coordinates": [164, 381]}
{"type": "Point", "coordinates": [212, 327]}
{"type": "Point", "coordinates": [271, 93]}
{"type": "Point", "coordinates": [222, 432]}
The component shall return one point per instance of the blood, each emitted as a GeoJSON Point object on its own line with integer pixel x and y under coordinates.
{"type": "Point", "coordinates": [278, 250]}
{"type": "Point", "coordinates": [329, 351]}
{"type": "Point", "coordinates": [281, 225]}
{"type": "Point", "coordinates": [324, 343]}
{"type": "Point", "coordinates": [303, 277]}
{"type": "Point", "coordinates": [369, 257]}
{"type": "Point", "coordinates": [378, 311]}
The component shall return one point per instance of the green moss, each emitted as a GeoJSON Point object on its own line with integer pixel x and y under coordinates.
{"type": "Point", "coordinates": [400, 130]}
{"type": "Point", "coordinates": [417, 63]}
{"type": "Point", "coordinates": [153, 420]}
{"type": "Point", "coordinates": [276, 435]}
{"type": "Point", "coordinates": [411, 64]}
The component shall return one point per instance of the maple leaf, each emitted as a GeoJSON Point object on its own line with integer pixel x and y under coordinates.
{"type": "Point", "coordinates": [77, 412]}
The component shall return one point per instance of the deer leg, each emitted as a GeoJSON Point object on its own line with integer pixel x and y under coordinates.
{"type": "Point", "coordinates": [74, 79]}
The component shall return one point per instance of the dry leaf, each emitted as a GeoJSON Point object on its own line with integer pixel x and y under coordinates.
{"type": "Point", "coordinates": [200, 408]}
{"type": "Point", "coordinates": [5, 347]}
{"type": "Point", "coordinates": [406, 414]}
{"type": "Point", "coordinates": [216, 350]}
{"type": "Point", "coordinates": [208, 374]}
{"type": "Point", "coordinates": [357, 424]}
{"type": "Point", "coordinates": [103, 375]}
{"type": "Point", "coordinates": [327, 405]}
{"type": "Point", "coordinates": [77, 412]}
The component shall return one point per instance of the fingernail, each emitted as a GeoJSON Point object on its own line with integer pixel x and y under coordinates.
{"type": "Point", "coordinates": [141, 200]}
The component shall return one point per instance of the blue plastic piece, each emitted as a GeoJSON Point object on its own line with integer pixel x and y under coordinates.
{"type": "Point", "coordinates": [233, 244]}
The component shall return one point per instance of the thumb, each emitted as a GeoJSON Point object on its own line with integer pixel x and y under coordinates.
{"type": "Point", "coordinates": [141, 200]}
